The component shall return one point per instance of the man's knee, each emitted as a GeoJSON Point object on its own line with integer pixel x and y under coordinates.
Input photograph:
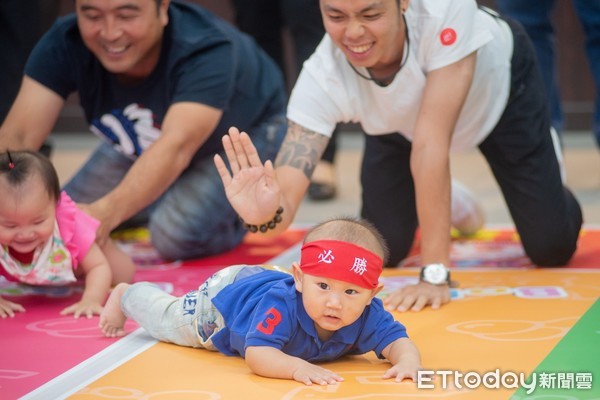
{"type": "Point", "coordinates": [399, 245]}
{"type": "Point", "coordinates": [397, 254]}
{"type": "Point", "coordinates": [551, 252]}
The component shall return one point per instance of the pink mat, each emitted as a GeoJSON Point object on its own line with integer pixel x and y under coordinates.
{"type": "Point", "coordinates": [40, 344]}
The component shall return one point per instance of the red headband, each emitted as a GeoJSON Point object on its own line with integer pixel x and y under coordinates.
{"type": "Point", "coordinates": [342, 261]}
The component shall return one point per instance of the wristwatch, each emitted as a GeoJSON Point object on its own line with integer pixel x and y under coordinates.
{"type": "Point", "coordinates": [436, 274]}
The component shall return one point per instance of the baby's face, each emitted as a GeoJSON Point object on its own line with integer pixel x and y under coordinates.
{"type": "Point", "coordinates": [333, 304]}
{"type": "Point", "coordinates": [27, 215]}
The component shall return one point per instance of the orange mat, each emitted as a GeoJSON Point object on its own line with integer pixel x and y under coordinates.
{"type": "Point", "coordinates": [501, 321]}
{"type": "Point", "coordinates": [507, 316]}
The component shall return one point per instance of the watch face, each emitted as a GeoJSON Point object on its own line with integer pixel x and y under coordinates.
{"type": "Point", "coordinates": [435, 274]}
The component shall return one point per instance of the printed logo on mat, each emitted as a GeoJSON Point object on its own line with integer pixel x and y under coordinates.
{"type": "Point", "coordinates": [393, 283]}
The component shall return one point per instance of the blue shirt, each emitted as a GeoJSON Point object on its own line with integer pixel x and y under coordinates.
{"type": "Point", "coordinates": [266, 310]}
{"type": "Point", "coordinates": [203, 59]}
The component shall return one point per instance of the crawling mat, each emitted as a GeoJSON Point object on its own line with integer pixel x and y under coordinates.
{"type": "Point", "coordinates": [39, 345]}
{"type": "Point", "coordinates": [511, 331]}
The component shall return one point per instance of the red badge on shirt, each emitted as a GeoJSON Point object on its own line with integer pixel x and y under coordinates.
{"type": "Point", "coordinates": [448, 36]}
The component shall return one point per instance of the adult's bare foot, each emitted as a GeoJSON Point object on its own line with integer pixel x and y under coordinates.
{"type": "Point", "coordinates": [112, 319]}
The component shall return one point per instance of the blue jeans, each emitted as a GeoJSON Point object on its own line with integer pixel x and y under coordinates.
{"type": "Point", "coordinates": [193, 218]}
{"type": "Point", "coordinates": [535, 16]}
{"type": "Point", "coordinates": [190, 320]}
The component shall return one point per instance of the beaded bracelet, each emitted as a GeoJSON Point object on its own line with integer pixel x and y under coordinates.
{"type": "Point", "coordinates": [266, 226]}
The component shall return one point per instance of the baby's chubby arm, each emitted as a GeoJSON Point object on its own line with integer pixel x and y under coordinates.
{"type": "Point", "coordinates": [273, 363]}
{"type": "Point", "coordinates": [405, 359]}
{"type": "Point", "coordinates": [98, 277]}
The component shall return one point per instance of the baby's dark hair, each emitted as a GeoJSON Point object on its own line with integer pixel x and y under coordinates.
{"type": "Point", "coordinates": [352, 230]}
{"type": "Point", "coordinates": [17, 166]}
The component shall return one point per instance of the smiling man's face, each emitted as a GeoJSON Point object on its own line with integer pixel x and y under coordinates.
{"type": "Point", "coordinates": [369, 32]}
{"type": "Point", "coordinates": [125, 35]}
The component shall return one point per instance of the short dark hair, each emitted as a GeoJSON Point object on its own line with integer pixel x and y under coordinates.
{"type": "Point", "coordinates": [158, 3]}
{"type": "Point", "coordinates": [353, 230]}
{"type": "Point", "coordinates": [18, 166]}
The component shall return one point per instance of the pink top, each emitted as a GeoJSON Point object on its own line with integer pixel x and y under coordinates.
{"type": "Point", "coordinates": [77, 229]}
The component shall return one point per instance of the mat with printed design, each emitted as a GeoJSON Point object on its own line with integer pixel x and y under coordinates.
{"type": "Point", "coordinates": [507, 320]}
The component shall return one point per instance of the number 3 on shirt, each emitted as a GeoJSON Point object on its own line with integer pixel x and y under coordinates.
{"type": "Point", "coordinates": [272, 319]}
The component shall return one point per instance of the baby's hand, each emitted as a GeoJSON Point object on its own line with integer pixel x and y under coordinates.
{"type": "Point", "coordinates": [310, 373]}
{"type": "Point", "coordinates": [403, 370]}
{"type": "Point", "coordinates": [83, 307]}
{"type": "Point", "coordinates": [8, 308]}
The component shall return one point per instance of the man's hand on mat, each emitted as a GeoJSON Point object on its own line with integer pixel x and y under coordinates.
{"type": "Point", "coordinates": [8, 308]}
{"type": "Point", "coordinates": [83, 308]}
{"type": "Point", "coordinates": [416, 297]}
{"type": "Point", "coordinates": [311, 373]}
{"type": "Point", "coordinates": [251, 187]}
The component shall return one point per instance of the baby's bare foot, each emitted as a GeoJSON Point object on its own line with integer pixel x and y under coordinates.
{"type": "Point", "coordinates": [112, 319]}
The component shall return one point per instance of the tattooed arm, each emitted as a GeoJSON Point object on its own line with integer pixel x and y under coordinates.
{"type": "Point", "coordinates": [298, 156]}
{"type": "Point", "coordinates": [255, 190]}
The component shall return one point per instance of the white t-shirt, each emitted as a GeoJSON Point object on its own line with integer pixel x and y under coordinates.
{"type": "Point", "coordinates": [329, 91]}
